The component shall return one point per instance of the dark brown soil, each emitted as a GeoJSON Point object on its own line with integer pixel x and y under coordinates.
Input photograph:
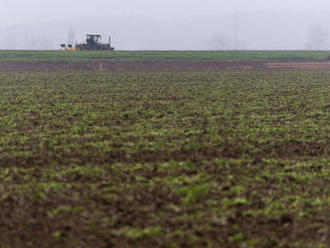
{"type": "Point", "coordinates": [189, 158]}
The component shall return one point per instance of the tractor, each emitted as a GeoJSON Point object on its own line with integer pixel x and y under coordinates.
{"type": "Point", "coordinates": [93, 42]}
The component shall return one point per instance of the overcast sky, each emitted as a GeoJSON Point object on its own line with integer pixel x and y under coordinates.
{"type": "Point", "coordinates": [18, 11]}
{"type": "Point", "coordinates": [181, 24]}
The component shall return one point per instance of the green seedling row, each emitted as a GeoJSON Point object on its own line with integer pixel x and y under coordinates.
{"type": "Point", "coordinates": [170, 159]}
{"type": "Point", "coordinates": [28, 56]}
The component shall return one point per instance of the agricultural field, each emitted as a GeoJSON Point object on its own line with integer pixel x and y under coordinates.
{"type": "Point", "coordinates": [165, 159]}
{"type": "Point", "coordinates": [180, 56]}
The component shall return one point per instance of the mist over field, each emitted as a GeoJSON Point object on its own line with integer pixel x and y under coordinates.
{"type": "Point", "coordinates": [160, 25]}
{"type": "Point", "coordinates": [156, 145]}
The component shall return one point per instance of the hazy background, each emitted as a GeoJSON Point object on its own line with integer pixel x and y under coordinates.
{"type": "Point", "coordinates": [168, 25]}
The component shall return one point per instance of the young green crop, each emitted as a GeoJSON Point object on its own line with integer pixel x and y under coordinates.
{"type": "Point", "coordinates": [184, 159]}
{"type": "Point", "coordinates": [29, 56]}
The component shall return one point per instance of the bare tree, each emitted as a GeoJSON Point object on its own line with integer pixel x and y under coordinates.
{"type": "Point", "coordinates": [11, 38]}
{"type": "Point", "coordinates": [317, 38]}
{"type": "Point", "coordinates": [219, 42]}
{"type": "Point", "coordinates": [71, 36]}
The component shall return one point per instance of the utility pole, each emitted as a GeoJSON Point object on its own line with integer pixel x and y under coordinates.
{"type": "Point", "coordinates": [235, 30]}
{"type": "Point", "coordinates": [12, 41]}
{"type": "Point", "coordinates": [25, 31]}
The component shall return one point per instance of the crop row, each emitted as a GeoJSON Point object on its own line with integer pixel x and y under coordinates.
{"type": "Point", "coordinates": [184, 159]}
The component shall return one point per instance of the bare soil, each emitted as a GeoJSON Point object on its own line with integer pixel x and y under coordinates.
{"type": "Point", "coordinates": [196, 159]}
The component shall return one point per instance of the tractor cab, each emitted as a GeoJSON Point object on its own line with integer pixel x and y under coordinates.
{"type": "Point", "coordinates": [93, 40]}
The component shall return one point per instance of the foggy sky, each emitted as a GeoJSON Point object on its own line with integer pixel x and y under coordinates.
{"type": "Point", "coordinates": [19, 11]}
{"type": "Point", "coordinates": [168, 24]}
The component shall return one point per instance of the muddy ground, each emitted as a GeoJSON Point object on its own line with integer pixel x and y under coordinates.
{"type": "Point", "coordinates": [151, 66]}
{"type": "Point", "coordinates": [236, 159]}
